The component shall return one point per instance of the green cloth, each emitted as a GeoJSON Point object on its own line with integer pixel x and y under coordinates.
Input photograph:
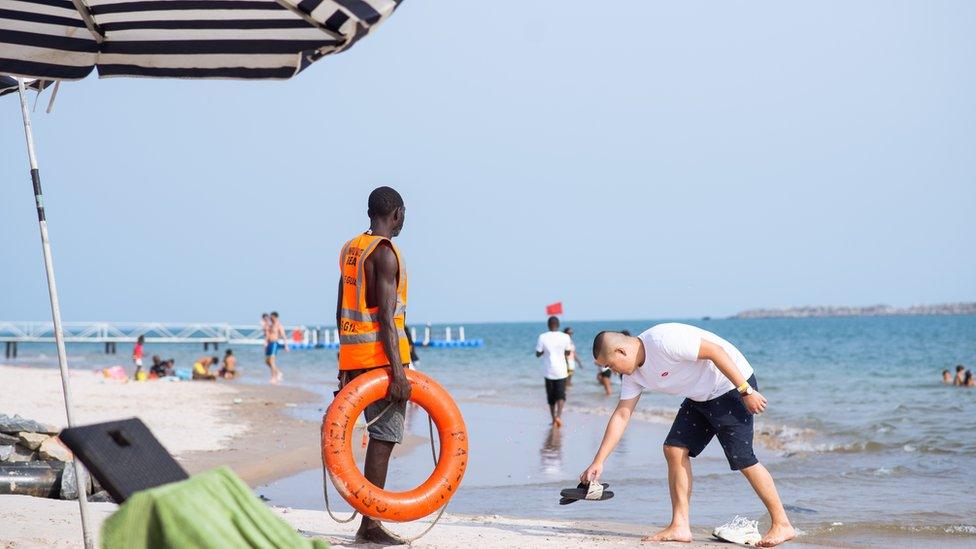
{"type": "Point", "coordinates": [212, 509]}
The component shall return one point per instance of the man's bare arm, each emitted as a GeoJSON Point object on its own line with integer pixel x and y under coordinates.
{"type": "Point", "coordinates": [611, 437]}
{"type": "Point", "coordinates": [385, 267]}
{"type": "Point", "coordinates": [755, 402]}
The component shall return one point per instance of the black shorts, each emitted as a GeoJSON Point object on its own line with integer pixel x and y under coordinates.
{"type": "Point", "coordinates": [723, 416]}
{"type": "Point", "coordinates": [606, 373]}
{"type": "Point", "coordinates": [555, 390]}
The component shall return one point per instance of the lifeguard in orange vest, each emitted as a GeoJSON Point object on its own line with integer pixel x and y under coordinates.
{"type": "Point", "coordinates": [370, 313]}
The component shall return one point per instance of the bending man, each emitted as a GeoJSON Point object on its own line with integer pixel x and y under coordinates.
{"type": "Point", "coordinates": [721, 397]}
{"type": "Point", "coordinates": [370, 312]}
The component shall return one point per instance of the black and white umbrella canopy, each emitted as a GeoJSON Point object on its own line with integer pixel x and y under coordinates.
{"type": "Point", "coordinates": [8, 84]}
{"type": "Point", "coordinates": [241, 39]}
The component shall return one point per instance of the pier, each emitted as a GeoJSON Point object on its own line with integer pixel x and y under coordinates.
{"type": "Point", "coordinates": [110, 334]}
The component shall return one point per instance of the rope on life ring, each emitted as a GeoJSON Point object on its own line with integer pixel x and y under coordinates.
{"type": "Point", "coordinates": [366, 498]}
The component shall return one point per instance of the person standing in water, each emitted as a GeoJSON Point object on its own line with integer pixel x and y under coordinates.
{"type": "Point", "coordinates": [274, 340]}
{"type": "Point", "coordinates": [554, 347]}
{"type": "Point", "coordinates": [371, 313]}
{"type": "Point", "coordinates": [572, 361]}
{"type": "Point", "coordinates": [721, 396]}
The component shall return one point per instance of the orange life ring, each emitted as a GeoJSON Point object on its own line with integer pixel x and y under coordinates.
{"type": "Point", "coordinates": [364, 496]}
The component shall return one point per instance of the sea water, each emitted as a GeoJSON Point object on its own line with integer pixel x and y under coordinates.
{"type": "Point", "coordinates": [860, 434]}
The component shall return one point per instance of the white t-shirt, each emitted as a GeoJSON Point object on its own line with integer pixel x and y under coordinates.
{"type": "Point", "coordinates": [671, 364]}
{"type": "Point", "coordinates": [553, 346]}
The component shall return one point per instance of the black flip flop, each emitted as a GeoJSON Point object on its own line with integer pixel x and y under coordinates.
{"type": "Point", "coordinates": [583, 492]}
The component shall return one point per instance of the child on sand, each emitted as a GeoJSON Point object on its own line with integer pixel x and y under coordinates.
{"type": "Point", "coordinates": [137, 354]}
{"type": "Point", "coordinates": [721, 397]}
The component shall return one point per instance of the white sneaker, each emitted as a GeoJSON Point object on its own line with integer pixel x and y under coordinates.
{"type": "Point", "coordinates": [739, 530]}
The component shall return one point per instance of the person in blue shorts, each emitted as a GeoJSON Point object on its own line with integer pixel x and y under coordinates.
{"type": "Point", "coordinates": [274, 339]}
{"type": "Point", "coordinates": [721, 397]}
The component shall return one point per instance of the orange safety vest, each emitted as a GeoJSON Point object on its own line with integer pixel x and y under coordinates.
{"type": "Point", "coordinates": [359, 329]}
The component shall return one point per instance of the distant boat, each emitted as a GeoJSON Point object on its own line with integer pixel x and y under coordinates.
{"type": "Point", "coordinates": [706, 318]}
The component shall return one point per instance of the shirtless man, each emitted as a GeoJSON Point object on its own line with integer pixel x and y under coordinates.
{"type": "Point", "coordinates": [274, 340]}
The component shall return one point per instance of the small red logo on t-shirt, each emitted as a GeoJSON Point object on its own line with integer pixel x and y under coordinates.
{"type": "Point", "coordinates": [665, 374]}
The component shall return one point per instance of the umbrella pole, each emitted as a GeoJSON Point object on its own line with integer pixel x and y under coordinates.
{"type": "Point", "coordinates": [55, 308]}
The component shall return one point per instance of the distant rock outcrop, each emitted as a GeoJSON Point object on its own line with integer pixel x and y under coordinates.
{"type": "Point", "coordinates": [962, 308]}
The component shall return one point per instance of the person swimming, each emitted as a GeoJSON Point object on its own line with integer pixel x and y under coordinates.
{"type": "Point", "coordinates": [960, 375]}
{"type": "Point", "coordinates": [946, 377]}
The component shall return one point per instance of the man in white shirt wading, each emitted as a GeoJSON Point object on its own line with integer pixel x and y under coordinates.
{"type": "Point", "coordinates": [554, 348]}
{"type": "Point", "coordinates": [721, 396]}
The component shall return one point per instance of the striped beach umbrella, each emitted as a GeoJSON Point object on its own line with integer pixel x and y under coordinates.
{"type": "Point", "coordinates": [45, 41]}
{"type": "Point", "coordinates": [247, 39]}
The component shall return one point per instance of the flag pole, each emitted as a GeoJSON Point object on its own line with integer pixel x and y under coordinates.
{"type": "Point", "coordinates": [55, 308]}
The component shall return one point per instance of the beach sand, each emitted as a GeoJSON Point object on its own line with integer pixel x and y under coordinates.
{"type": "Point", "coordinates": [34, 522]}
{"type": "Point", "coordinates": [203, 426]}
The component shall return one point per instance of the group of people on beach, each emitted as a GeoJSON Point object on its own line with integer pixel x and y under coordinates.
{"type": "Point", "coordinates": [963, 377]}
{"type": "Point", "coordinates": [718, 383]}
{"type": "Point", "coordinates": [167, 368]}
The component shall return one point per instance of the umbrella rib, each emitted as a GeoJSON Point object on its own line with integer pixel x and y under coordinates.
{"type": "Point", "coordinates": [86, 16]}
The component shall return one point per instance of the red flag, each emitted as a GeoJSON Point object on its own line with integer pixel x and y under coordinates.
{"type": "Point", "coordinates": [555, 308]}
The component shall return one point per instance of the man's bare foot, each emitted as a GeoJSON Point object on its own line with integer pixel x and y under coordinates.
{"type": "Point", "coordinates": [776, 535]}
{"type": "Point", "coordinates": [671, 533]}
{"type": "Point", "coordinates": [378, 534]}
{"type": "Point", "coordinates": [558, 422]}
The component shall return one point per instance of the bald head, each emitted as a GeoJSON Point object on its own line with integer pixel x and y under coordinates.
{"type": "Point", "coordinates": [621, 353]}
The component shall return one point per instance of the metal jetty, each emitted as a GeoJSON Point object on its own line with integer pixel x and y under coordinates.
{"type": "Point", "coordinates": [112, 333]}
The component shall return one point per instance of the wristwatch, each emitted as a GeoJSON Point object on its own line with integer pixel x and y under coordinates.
{"type": "Point", "coordinates": [747, 391]}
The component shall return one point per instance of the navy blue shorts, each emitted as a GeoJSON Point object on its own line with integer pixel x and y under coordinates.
{"type": "Point", "coordinates": [724, 416]}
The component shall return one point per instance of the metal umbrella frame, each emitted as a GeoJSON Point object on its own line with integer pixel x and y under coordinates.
{"type": "Point", "coordinates": [52, 289]}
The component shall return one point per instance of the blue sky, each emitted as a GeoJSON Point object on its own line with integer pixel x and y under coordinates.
{"type": "Point", "coordinates": [652, 160]}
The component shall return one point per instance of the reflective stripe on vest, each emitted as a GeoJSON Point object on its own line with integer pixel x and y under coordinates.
{"type": "Point", "coordinates": [360, 344]}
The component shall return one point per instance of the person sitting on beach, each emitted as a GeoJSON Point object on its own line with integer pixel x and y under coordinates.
{"type": "Point", "coordinates": [553, 347]}
{"type": "Point", "coordinates": [229, 368]}
{"type": "Point", "coordinates": [721, 396]}
{"type": "Point", "coordinates": [960, 375]}
{"type": "Point", "coordinates": [946, 377]}
{"type": "Point", "coordinates": [201, 368]}
{"type": "Point", "coordinates": [157, 368]}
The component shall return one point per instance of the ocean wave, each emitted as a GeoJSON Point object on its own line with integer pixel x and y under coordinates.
{"type": "Point", "coordinates": [934, 530]}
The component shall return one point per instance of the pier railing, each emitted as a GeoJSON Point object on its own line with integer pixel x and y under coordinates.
{"type": "Point", "coordinates": [113, 333]}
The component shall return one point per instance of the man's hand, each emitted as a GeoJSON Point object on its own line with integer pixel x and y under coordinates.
{"type": "Point", "coordinates": [755, 403]}
{"type": "Point", "coordinates": [399, 390]}
{"type": "Point", "coordinates": [592, 473]}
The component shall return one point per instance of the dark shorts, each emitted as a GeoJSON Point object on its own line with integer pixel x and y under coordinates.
{"type": "Point", "coordinates": [555, 390]}
{"type": "Point", "coordinates": [725, 417]}
{"type": "Point", "coordinates": [606, 373]}
{"type": "Point", "coordinates": [271, 349]}
{"type": "Point", "coordinates": [388, 428]}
